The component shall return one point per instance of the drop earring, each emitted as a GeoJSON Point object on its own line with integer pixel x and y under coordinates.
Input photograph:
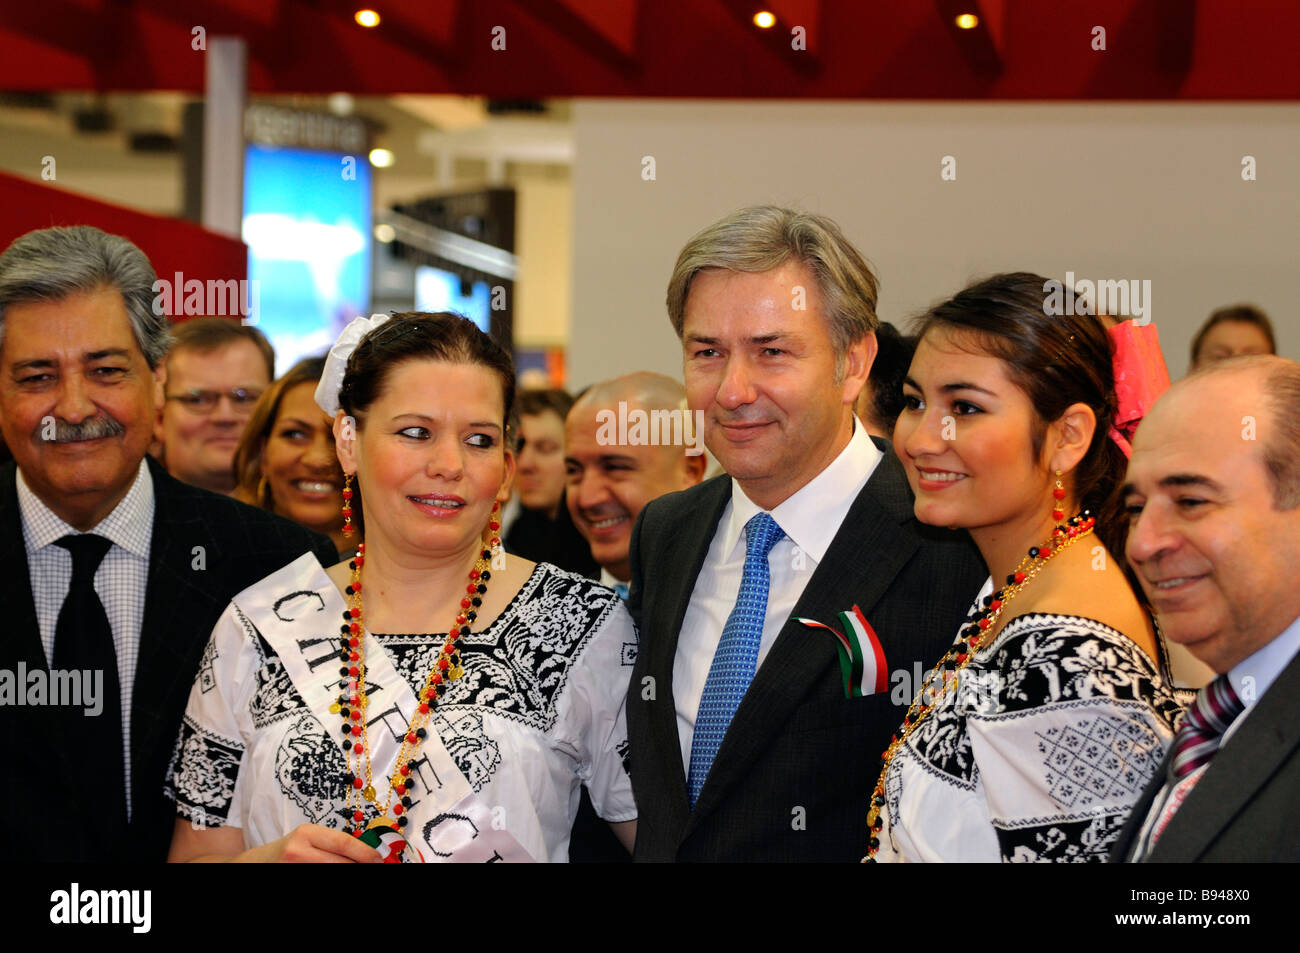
{"type": "Point", "coordinates": [1058, 495]}
{"type": "Point", "coordinates": [348, 528]}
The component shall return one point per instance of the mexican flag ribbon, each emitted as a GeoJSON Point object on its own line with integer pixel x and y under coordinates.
{"type": "Point", "coordinates": [387, 840]}
{"type": "Point", "coordinates": [862, 660]}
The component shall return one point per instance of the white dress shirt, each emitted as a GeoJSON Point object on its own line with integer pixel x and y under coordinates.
{"type": "Point", "coordinates": [1250, 679]}
{"type": "Point", "coordinates": [120, 581]}
{"type": "Point", "coordinates": [810, 519]}
{"type": "Point", "coordinates": [607, 578]}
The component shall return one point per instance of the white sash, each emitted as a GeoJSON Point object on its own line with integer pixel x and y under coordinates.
{"type": "Point", "coordinates": [447, 821]}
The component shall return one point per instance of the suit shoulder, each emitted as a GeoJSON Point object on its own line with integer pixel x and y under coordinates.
{"type": "Point", "coordinates": [673, 505]}
{"type": "Point", "coordinates": [238, 525]}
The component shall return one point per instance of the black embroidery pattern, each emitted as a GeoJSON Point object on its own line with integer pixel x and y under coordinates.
{"type": "Point", "coordinates": [1103, 757]}
{"type": "Point", "coordinates": [207, 679]}
{"type": "Point", "coordinates": [1039, 661]}
{"type": "Point", "coordinates": [310, 770]}
{"type": "Point", "coordinates": [519, 665]}
{"type": "Point", "coordinates": [275, 698]}
{"type": "Point", "coordinates": [462, 734]}
{"type": "Point", "coordinates": [202, 774]}
{"type": "Point", "coordinates": [1083, 841]}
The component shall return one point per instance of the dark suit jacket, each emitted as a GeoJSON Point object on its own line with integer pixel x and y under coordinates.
{"type": "Point", "coordinates": [241, 545]}
{"type": "Point", "coordinates": [793, 776]}
{"type": "Point", "coordinates": [1246, 807]}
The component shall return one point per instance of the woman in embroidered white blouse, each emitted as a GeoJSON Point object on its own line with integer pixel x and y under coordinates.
{"type": "Point", "coordinates": [1032, 740]}
{"type": "Point", "coordinates": [414, 704]}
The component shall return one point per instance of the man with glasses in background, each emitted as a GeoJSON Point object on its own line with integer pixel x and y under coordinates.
{"type": "Point", "coordinates": [217, 368]}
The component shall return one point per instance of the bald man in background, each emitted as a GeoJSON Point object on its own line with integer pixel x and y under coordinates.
{"type": "Point", "coordinates": [610, 481]}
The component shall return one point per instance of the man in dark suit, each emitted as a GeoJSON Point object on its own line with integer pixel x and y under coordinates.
{"type": "Point", "coordinates": [748, 740]}
{"type": "Point", "coordinates": [115, 573]}
{"type": "Point", "coordinates": [1214, 489]}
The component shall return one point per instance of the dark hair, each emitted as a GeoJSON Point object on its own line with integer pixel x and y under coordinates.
{"type": "Point", "coordinates": [252, 443]}
{"type": "Point", "coordinates": [540, 401]}
{"type": "Point", "coordinates": [1057, 360]}
{"type": "Point", "coordinates": [1246, 314]}
{"type": "Point", "coordinates": [416, 335]}
{"type": "Point", "coordinates": [893, 359]}
{"type": "Point", "coordinates": [206, 335]}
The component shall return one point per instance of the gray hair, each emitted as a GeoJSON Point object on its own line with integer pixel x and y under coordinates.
{"type": "Point", "coordinates": [50, 264]}
{"type": "Point", "coordinates": [763, 237]}
{"type": "Point", "coordinates": [1279, 381]}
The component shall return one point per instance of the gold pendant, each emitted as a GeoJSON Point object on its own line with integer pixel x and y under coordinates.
{"type": "Point", "coordinates": [455, 671]}
{"type": "Point", "coordinates": [382, 822]}
{"type": "Point", "coordinates": [369, 792]}
{"type": "Point", "coordinates": [335, 708]}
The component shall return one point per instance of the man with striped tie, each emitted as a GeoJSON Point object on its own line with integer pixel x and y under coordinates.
{"type": "Point", "coordinates": [1214, 492]}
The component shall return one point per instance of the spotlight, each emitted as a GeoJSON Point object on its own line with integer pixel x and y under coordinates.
{"type": "Point", "coordinates": [367, 18]}
{"type": "Point", "coordinates": [381, 158]}
{"type": "Point", "coordinates": [764, 19]}
{"type": "Point", "coordinates": [967, 21]}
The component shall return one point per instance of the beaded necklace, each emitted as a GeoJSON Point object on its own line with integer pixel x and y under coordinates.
{"type": "Point", "coordinates": [351, 704]}
{"type": "Point", "coordinates": [960, 654]}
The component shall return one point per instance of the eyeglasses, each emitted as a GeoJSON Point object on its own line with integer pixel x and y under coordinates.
{"type": "Point", "coordinates": [205, 401]}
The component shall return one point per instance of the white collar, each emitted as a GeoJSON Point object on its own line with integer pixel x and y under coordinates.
{"type": "Point", "coordinates": [129, 526]}
{"type": "Point", "coordinates": [812, 515]}
{"type": "Point", "coordinates": [607, 578]}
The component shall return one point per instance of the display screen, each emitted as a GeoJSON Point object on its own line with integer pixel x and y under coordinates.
{"type": "Point", "coordinates": [307, 220]}
{"type": "Point", "coordinates": [438, 290]}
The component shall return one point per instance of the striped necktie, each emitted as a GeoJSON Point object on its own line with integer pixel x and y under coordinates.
{"type": "Point", "coordinates": [736, 658]}
{"type": "Point", "coordinates": [1215, 708]}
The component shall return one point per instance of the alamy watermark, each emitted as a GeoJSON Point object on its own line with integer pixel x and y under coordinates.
{"type": "Point", "coordinates": [1117, 297]}
{"type": "Point", "coordinates": [59, 688]}
{"type": "Point", "coordinates": [193, 298]}
{"type": "Point", "coordinates": [650, 428]}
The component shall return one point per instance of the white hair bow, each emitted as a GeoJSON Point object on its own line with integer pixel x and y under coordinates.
{"type": "Point", "coordinates": [336, 364]}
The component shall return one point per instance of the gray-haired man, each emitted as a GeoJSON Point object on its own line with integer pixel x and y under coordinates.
{"type": "Point", "coordinates": [115, 573]}
{"type": "Point", "coordinates": [747, 743]}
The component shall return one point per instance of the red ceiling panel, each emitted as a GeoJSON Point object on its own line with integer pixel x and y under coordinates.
{"type": "Point", "coordinates": [1202, 49]}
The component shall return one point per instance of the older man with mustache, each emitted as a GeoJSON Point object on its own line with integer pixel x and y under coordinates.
{"type": "Point", "coordinates": [112, 567]}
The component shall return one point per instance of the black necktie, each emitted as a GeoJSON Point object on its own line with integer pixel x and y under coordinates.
{"type": "Point", "coordinates": [83, 641]}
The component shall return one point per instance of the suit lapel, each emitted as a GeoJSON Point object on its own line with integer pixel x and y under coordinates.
{"type": "Point", "coordinates": [685, 549]}
{"type": "Point", "coordinates": [22, 642]}
{"type": "Point", "coordinates": [170, 599]}
{"type": "Point", "coordinates": [1268, 735]}
{"type": "Point", "coordinates": [860, 566]}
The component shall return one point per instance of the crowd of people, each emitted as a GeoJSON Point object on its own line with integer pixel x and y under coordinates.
{"type": "Point", "coordinates": [993, 590]}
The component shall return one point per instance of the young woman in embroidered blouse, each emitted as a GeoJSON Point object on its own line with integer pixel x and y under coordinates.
{"type": "Point", "coordinates": [1032, 740]}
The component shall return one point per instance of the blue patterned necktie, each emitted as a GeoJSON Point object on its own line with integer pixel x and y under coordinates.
{"type": "Point", "coordinates": [737, 655]}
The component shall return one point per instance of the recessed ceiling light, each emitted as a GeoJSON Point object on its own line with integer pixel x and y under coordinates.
{"type": "Point", "coordinates": [382, 158]}
{"type": "Point", "coordinates": [967, 21]}
{"type": "Point", "coordinates": [385, 232]}
{"type": "Point", "coordinates": [367, 18]}
{"type": "Point", "coordinates": [764, 19]}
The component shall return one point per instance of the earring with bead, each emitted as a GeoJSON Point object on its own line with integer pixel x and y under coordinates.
{"type": "Point", "coordinates": [1058, 496]}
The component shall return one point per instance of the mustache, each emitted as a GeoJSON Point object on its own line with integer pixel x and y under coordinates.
{"type": "Point", "coordinates": [92, 428]}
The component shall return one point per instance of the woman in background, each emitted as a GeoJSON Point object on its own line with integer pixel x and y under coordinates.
{"type": "Point", "coordinates": [285, 461]}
